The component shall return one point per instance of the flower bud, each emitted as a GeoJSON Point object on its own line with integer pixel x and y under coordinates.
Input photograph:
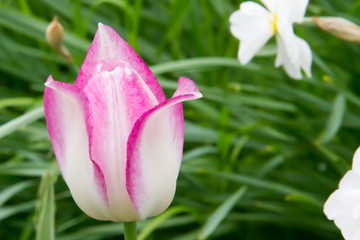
{"type": "Point", "coordinates": [339, 27]}
{"type": "Point", "coordinates": [55, 34]}
{"type": "Point", "coordinates": [55, 37]}
{"type": "Point", "coordinates": [130, 173]}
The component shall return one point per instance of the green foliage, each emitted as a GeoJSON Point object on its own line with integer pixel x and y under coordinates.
{"type": "Point", "coordinates": [286, 142]}
{"type": "Point", "coordinates": [45, 212]}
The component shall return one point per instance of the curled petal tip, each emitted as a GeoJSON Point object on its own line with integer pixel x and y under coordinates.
{"type": "Point", "coordinates": [187, 86]}
{"type": "Point", "coordinates": [48, 80]}
{"type": "Point", "coordinates": [100, 24]}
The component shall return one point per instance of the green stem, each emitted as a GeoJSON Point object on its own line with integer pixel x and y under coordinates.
{"type": "Point", "coordinates": [130, 230]}
{"type": "Point", "coordinates": [308, 22]}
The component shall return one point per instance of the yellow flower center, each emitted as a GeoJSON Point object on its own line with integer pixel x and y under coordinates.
{"type": "Point", "coordinates": [273, 20]}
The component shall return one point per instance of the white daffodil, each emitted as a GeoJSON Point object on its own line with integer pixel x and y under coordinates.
{"type": "Point", "coordinates": [343, 205]}
{"type": "Point", "coordinates": [254, 25]}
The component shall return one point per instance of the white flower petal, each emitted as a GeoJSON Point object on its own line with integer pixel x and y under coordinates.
{"type": "Point", "coordinates": [357, 235]}
{"type": "Point", "coordinates": [291, 67]}
{"type": "Point", "coordinates": [286, 33]}
{"type": "Point", "coordinates": [350, 228]}
{"type": "Point", "coordinates": [251, 17]}
{"type": "Point", "coordinates": [292, 10]}
{"type": "Point", "coordinates": [350, 181]}
{"type": "Point", "coordinates": [294, 55]}
{"type": "Point", "coordinates": [273, 5]}
{"type": "Point", "coordinates": [251, 25]}
{"type": "Point", "coordinates": [250, 46]}
{"type": "Point", "coordinates": [350, 200]}
{"type": "Point", "coordinates": [343, 206]}
{"type": "Point", "coordinates": [249, 9]}
{"type": "Point", "coordinates": [298, 10]}
{"type": "Point", "coordinates": [331, 207]}
{"type": "Point", "coordinates": [305, 56]}
{"type": "Point", "coordinates": [356, 161]}
{"type": "Point", "coordinates": [356, 211]}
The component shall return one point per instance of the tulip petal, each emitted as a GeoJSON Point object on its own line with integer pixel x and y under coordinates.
{"type": "Point", "coordinates": [252, 26]}
{"type": "Point", "coordinates": [65, 106]}
{"type": "Point", "coordinates": [118, 97]}
{"type": "Point", "coordinates": [108, 45]}
{"type": "Point", "coordinates": [154, 152]}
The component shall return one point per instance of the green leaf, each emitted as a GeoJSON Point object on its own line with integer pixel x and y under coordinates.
{"type": "Point", "coordinates": [24, 169]}
{"type": "Point", "coordinates": [335, 120]}
{"type": "Point", "coordinates": [9, 192]}
{"type": "Point", "coordinates": [203, 63]}
{"type": "Point", "coordinates": [45, 212]}
{"type": "Point", "coordinates": [21, 121]}
{"type": "Point", "coordinates": [220, 213]}
{"type": "Point", "coordinates": [8, 211]}
{"type": "Point", "coordinates": [157, 221]}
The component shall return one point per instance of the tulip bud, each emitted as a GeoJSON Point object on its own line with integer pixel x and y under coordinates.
{"type": "Point", "coordinates": [117, 138]}
{"type": "Point", "coordinates": [55, 37]}
{"type": "Point", "coordinates": [339, 27]}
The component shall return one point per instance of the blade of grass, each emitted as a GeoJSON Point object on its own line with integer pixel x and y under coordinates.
{"type": "Point", "coordinates": [220, 213]}
{"type": "Point", "coordinates": [21, 121]}
{"type": "Point", "coordinates": [11, 191]}
{"type": "Point", "coordinates": [335, 120]}
{"type": "Point", "coordinates": [154, 223]}
{"type": "Point", "coordinates": [45, 213]}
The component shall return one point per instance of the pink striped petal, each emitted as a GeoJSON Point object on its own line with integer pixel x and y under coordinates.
{"type": "Point", "coordinates": [65, 108]}
{"type": "Point", "coordinates": [108, 45]}
{"type": "Point", "coordinates": [154, 152]}
{"type": "Point", "coordinates": [118, 97]}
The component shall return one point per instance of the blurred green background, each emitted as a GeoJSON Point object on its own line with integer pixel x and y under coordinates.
{"type": "Point", "coordinates": [262, 151]}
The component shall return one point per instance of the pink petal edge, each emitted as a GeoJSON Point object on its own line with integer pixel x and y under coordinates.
{"type": "Point", "coordinates": [108, 45]}
{"type": "Point", "coordinates": [114, 108]}
{"type": "Point", "coordinates": [135, 184]}
{"type": "Point", "coordinates": [52, 118]}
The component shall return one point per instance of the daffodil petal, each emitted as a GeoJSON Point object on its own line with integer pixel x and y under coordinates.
{"type": "Point", "coordinates": [251, 25]}
{"type": "Point", "coordinates": [298, 10]}
{"type": "Point", "coordinates": [292, 10]}
{"type": "Point", "coordinates": [331, 207]}
{"type": "Point", "coordinates": [343, 205]}
{"type": "Point", "coordinates": [288, 42]}
{"type": "Point", "coordinates": [291, 66]}
{"type": "Point", "coordinates": [274, 5]}
{"type": "Point", "coordinates": [349, 228]}
{"type": "Point", "coordinates": [356, 161]}
{"type": "Point", "coordinates": [305, 56]}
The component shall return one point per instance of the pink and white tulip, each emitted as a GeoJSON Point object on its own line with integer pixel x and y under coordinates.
{"type": "Point", "coordinates": [117, 139]}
